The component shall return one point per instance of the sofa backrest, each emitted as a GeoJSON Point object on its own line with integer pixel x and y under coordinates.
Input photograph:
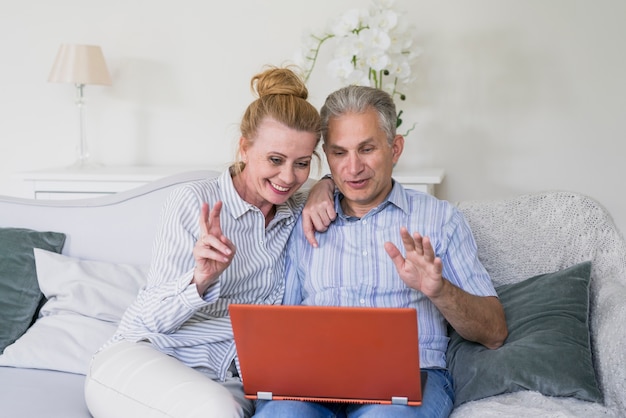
{"type": "Point", "coordinates": [543, 232]}
{"type": "Point", "coordinates": [117, 228]}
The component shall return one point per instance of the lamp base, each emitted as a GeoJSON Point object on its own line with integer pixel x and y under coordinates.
{"type": "Point", "coordinates": [83, 158]}
{"type": "Point", "coordinates": [85, 163]}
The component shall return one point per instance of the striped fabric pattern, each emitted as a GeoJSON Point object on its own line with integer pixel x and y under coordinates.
{"type": "Point", "coordinates": [352, 268]}
{"type": "Point", "coordinates": [170, 314]}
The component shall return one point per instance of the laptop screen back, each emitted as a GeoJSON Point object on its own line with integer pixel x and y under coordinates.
{"type": "Point", "coordinates": [342, 354]}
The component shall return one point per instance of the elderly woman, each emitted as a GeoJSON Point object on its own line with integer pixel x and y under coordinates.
{"type": "Point", "coordinates": [220, 241]}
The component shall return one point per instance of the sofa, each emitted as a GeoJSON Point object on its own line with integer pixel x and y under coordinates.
{"type": "Point", "coordinates": [556, 259]}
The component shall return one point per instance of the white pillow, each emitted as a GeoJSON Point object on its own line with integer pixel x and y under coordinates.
{"type": "Point", "coordinates": [86, 300]}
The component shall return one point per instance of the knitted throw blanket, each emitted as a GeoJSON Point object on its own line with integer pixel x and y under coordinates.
{"type": "Point", "coordinates": [538, 233]}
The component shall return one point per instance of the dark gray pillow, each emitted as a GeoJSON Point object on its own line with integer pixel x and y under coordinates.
{"type": "Point", "coordinates": [548, 347]}
{"type": "Point", "coordinates": [19, 290]}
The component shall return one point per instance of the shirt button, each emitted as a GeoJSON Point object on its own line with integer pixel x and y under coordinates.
{"type": "Point", "coordinates": [261, 242]}
{"type": "Point", "coordinates": [362, 301]}
{"type": "Point", "coordinates": [364, 221]}
{"type": "Point", "coordinates": [365, 253]}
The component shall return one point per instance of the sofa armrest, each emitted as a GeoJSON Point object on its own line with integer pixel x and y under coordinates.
{"type": "Point", "coordinates": [608, 316]}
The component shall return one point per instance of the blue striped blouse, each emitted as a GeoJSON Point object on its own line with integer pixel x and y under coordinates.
{"type": "Point", "coordinates": [170, 314]}
{"type": "Point", "coordinates": [352, 268]}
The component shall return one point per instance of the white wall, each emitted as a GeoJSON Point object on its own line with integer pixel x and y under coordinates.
{"type": "Point", "coordinates": [511, 96]}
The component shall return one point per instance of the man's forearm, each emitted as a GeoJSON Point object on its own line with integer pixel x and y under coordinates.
{"type": "Point", "coordinates": [476, 318]}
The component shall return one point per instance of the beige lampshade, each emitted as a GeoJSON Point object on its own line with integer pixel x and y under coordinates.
{"type": "Point", "coordinates": [80, 64]}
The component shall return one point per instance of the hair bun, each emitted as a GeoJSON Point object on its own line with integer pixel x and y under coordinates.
{"type": "Point", "coordinates": [279, 81]}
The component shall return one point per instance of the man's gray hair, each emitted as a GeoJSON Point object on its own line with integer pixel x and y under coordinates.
{"type": "Point", "coordinates": [358, 99]}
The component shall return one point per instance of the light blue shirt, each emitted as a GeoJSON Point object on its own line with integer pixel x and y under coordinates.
{"type": "Point", "coordinates": [170, 314]}
{"type": "Point", "coordinates": [351, 267]}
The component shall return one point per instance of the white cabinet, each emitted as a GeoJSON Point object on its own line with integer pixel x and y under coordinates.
{"type": "Point", "coordinates": [423, 180]}
{"type": "Point", "coordinates": [77, 183]}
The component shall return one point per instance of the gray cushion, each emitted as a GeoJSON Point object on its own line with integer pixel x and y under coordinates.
{"type": "Point", "coordinates": [548, 347]}
{"type": "Point", "coordinates": [19, 290]}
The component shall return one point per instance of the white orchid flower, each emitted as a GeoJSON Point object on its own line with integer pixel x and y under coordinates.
{"type": "Point", "coordinates": [373, 47]}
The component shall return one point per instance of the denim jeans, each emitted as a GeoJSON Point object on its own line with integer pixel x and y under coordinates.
{"type": "Point", "coordinates": [437, 401]}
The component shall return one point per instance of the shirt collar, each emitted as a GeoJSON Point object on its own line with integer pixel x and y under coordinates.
{"type": "Point", "coordinates": [396, 197]}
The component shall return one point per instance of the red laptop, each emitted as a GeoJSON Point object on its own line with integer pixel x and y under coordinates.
{"type": "Point", "coordinates": [328, 354]}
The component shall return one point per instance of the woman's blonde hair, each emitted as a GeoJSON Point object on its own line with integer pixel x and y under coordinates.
{"type": "Point", "coordinates": [281, 95]}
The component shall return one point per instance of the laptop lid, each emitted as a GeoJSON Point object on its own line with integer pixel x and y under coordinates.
{"type": "Point", "coordinates": [328, 354]}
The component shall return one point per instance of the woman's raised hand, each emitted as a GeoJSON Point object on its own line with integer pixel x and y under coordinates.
{"type": "Point", "coordinates": [213, 251]}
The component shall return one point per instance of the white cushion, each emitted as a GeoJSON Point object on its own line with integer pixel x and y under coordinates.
{"type": "Point", "coordinates": [86, 300]}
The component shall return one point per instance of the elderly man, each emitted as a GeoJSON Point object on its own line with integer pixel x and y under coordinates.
{"type": "Point", "coordinates": [388, 247]}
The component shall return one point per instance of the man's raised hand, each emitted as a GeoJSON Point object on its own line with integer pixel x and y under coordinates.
{"type": "Point", "coordinates": [421, 269]}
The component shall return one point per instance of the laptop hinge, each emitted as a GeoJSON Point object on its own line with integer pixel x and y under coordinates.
{"type": "Point", "coordinates": [266, 396]}
{"type": "Point", "coordinates": [399, 400]}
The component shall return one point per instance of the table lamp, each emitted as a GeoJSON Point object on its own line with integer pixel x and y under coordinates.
{"type": "Point", "coordinates": [80, 65]}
